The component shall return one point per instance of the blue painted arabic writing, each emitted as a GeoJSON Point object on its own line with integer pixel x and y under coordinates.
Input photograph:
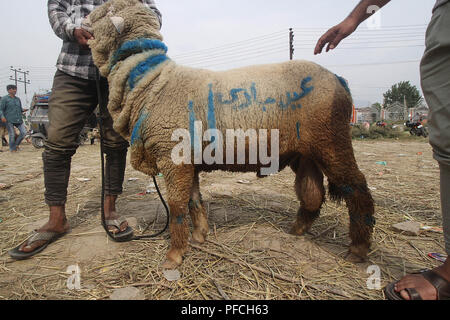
{"type": "Point", "coordinates": [240, 98]}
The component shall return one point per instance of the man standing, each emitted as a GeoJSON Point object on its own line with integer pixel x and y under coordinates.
{"type": "Point", "coordinates": [73, 100]}
{"type": "Point", "coordinates": [11, 115]}
{"type": "Point", "coordinates": [435, 74]}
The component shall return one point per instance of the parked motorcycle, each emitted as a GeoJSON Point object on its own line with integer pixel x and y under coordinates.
{"type": "Point", "coordinates": [417, 129]}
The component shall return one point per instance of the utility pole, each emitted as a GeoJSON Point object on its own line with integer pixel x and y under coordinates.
{"type": "Point", "coordinates": [24, 81]}
{"type": "Point", "coordinates": [291, 44]}
{"type": "Point", "coordinates": [406, 108]}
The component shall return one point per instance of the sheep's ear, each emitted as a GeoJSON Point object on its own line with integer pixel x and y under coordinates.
{"type": "Point", "coordinates": [119, 23]}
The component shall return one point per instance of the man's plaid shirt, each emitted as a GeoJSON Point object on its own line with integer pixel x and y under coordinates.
{"type": "Point", "coordinates": [65, 16]}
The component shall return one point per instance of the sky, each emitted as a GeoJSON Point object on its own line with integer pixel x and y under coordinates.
{"type": "Point", "coordinates": [221, 35]}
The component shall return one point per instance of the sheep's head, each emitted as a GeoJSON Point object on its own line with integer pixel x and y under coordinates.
{"type": "Point", "coordinates": [115, 23]}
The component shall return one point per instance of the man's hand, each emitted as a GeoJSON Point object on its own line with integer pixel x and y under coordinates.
{"type": "Point", "coordinates": [82, 37]}
{"type": "Point", "coordinates": [335, 35]}
{"type": "Point", "coordinates": [4, 120]}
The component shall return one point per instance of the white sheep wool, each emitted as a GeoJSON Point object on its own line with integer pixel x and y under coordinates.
{"type": "Point", "coordinates": [151, 97]}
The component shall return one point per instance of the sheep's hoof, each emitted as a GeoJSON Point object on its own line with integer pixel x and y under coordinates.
{"type": "Point", "coordinates": [174, 260]}
{"type": "Point", "coordinates": [357, 254]}
{"type": "Point", "coordinates": [299, 231]}
{"type": "Point", "coordinates": [199, 236]}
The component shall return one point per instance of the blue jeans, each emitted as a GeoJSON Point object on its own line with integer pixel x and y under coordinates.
{"type": "Point", "coordinates": [13, 142]}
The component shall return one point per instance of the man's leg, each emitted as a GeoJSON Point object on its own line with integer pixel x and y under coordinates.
{"type": "Point", "coordinates": [445, 199]}
{"type": "Point", "coordinates": [435, 73]}
{"type": "Point", "coordinates": [423, 286]}
{"type": "Point", "coordinates": [12, 136]}
{"type": "Point", "coordinates": [71, 103]}
{"type": "Point", "coordinates": [23, 133]}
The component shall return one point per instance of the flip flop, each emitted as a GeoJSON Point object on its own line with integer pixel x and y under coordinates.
{"type": "Point", "coordinates": [442, 286]}
{"type": "Point", "coordinates": [123, 236]}
{"type": "Point", "coordinates": [35, 236]}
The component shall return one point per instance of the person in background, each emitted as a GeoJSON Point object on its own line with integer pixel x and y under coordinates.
{"type": "Point", "coordinates": [73, 99]}
{"type": "Point", "coordinates": [11, 115]}
{"type": "Point", "coordinates": [435, 76]}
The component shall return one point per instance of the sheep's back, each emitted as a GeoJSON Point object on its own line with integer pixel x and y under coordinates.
{"type": "Point", "coordinates": [298, 98]}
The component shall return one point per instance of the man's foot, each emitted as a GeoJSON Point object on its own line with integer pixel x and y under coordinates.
{"type": "Point", "coordinates": [430, 285]}
{"type": "Point", "coordinates": [111, 215]}
{"type": "Point", "coordinates": [424, 287]}
{"type": "Point", "coordinates": [40, 239]}
{"type": "Point", "coordinates": [48, 227]}
{"type": "Point", "coordinates": [117, 226]}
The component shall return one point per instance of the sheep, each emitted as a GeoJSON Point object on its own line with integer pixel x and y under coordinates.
{"type": "Point", "coordinates": [151, 97]}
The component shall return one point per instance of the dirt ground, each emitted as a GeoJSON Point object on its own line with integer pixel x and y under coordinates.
{"type": "Point", "coordinates": [249, 253]}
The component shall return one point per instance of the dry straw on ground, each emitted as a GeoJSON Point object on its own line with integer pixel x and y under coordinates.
{"type": "Point", "coordinates": [249, 254]}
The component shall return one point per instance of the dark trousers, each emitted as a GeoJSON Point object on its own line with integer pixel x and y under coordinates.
{"type": "Point", "coordinates": [72, 102]}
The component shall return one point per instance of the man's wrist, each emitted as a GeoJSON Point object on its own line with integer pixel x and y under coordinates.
{"type": "Point", "coordinates": [70, 29]}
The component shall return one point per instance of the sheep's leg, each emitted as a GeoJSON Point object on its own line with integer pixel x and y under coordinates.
{"type": "Point", "coordinates": [347, 182]}
{"type": "Point", "coordinates": [311, 193]}
{"type": "Point", "coordinates": [198, 212]}
{"type": "Point", "coordinates": [179, 181]}
{"type": "Point", "coordinates": [362, 222]}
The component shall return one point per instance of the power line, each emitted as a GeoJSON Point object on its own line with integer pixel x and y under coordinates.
{"type": "Point", "coordinates": [243, 59]}
{"type": "Point", "coordinates": [16, 80]}
{"type": "Point", "coordinates": [237, 53]}
{"type": "Point", "coordinates": [234, 44]}
{"type": "Point", "coordinates": [360, 48]}
{"type": "Point", "coordinates": [373, 64]}
{"type": "Point", "coordinates": [389, 36]}
{"type": "Point", "coordinates": [383, 28]}
{"type": "Point", "coordinates": [238, 57]}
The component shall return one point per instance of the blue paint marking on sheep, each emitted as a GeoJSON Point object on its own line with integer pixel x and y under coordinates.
{"type": "Point", "coordinates": [136, 46]}
{"type": "Point", "coordinates": [180, 220]}
{"type": "Point", "coordinates": [137, 130]}
{"type": "Point", "coordinates": [344, 83]}
{"type": "Point", "coordinates": [292, 99]}
{"type": "Point", "coordinates": [234, 94]}
{"type": "Point", "coordinates": [143, 68]}
{"type": "Point", "coordinates": [250, 98]}
{"type": "Point", "coordinates": [347, 190]}
{"type": "Point", "coordinates": [298, 130]}
{"type": "Point", "coordinates": [241, 98]}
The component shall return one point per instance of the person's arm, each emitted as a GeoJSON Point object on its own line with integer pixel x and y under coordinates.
{"type": "Point", "coordinates": [21, 107]}
{"type": "Point", "coordinates": [336, 34]}
{"type": "Point", "coordinates": [62, 24]}
{"type": "Point", "coordinates": [151, 5]}
{"type": "Point", "coordinates": [59, 19]}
